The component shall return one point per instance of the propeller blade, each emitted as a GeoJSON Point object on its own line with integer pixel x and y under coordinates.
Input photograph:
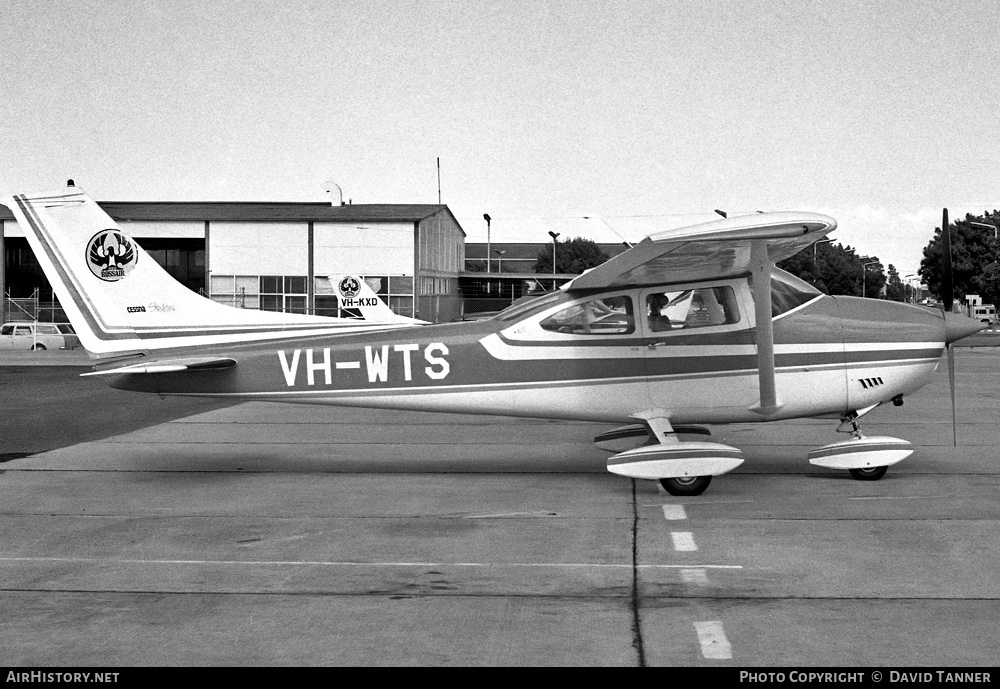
{"type": "Point", "coordinates": [947, 282]}
{"type": "Point", "coordinates": [951, 384]}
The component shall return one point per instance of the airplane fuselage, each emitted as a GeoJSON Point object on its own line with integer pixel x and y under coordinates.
{"type": "Point", "coordinates": [832, 355]}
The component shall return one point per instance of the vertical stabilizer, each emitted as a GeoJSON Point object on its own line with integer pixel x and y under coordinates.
{"type": "Point", "coordinates": [120, 300]}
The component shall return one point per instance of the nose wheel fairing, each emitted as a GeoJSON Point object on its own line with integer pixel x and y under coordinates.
{"type": "Point", "coordinates": [861, 453]}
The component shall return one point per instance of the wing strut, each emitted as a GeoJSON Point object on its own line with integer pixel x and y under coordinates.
{"type": "Point", "coordinates": [760, 268]}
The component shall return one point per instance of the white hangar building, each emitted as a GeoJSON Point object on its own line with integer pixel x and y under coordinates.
{"type": "Point", "coordinates": [274, 256]}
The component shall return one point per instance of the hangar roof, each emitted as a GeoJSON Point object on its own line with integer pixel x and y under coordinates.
{"type": "Point", "coordinates": [266, 211]}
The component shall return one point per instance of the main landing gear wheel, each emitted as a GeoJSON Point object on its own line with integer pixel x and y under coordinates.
{"type": "Point", "coordinates": [686, 485]}
{"type": "Point", "coordinates": [869, 474]}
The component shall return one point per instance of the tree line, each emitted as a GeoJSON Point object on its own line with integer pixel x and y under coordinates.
{"type": "Point", "coordinates": [839, 270]}
{"type": "Point", "coordinates": [975, 258]}
{"type": "Point", "coordinates": [832, 268]}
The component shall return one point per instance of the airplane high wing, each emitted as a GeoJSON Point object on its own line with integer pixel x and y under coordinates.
{"type": "Point", "coordinates": [690, 327]}
{"type": "Point", "coordinates": [717, 249]}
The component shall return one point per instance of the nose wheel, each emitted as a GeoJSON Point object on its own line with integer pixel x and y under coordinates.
{"type": "Point", "coordinates": [686, 485]}
{"type": "Point", "coordinates": [869, 473]}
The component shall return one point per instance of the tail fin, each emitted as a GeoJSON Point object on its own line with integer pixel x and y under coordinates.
{"type": "Point", "coordinates": [355, 298]}
{"type": "Point", "coordinates": [120, 300]}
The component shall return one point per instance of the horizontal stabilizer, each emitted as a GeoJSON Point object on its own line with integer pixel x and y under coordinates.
{"type": "Point", "coordinates": [625, 437]}
{"type": "Point", "coordinates": [167, 366]}
{"type": "Point", "coordinates": [677, 460]}
{"type": "Point", "coordinates": [861, 453]}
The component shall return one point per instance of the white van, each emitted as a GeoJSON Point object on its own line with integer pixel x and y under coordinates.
{"type": "Point", "coordinates": [984, 313]}
{"type": "Point", "coordinates": [38, 336]}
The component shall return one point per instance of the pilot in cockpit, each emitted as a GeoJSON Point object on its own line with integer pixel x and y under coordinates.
{"type": "Point", "coordinates": [658, 320]}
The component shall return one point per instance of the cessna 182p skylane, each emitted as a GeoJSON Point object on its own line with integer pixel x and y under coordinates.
{"type": "Point", "coordinates": [690, 326]}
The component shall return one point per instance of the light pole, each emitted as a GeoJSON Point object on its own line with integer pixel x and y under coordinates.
{"type": "Point", "coordinates": [499, 253]}
{"type": "Point", "coordinates": [826, 240]}
{"type": "Point", "coordinates": [987, 226]}
{"type": "Point", "coordinates": [554, 235]}
{"type": "Point", "coordinates": [486, 217]}
{"type": "Point", "coordinates": [864, 275]}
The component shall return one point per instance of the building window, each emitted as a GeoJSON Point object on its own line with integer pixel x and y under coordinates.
{"type": "Point", "coordinates": [183, 259]}
{"type": "Point", "coordinates": [283, 293]}
{"type": "Point", "coordinates": [432, 286]}
{"type": "Point", "coordinates": [288, 293]}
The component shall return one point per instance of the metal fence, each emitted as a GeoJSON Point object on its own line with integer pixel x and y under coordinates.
{"type": "Point", "coordinates": [480, 304]}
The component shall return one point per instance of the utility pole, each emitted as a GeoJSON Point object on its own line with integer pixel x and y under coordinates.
{"type": "Point", "coordinates": [864, 276]}
{"type": "Point", "coordinates": [486, 217]}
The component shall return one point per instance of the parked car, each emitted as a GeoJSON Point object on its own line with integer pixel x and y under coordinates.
{"type": "Point", "coordinates": [38, 336]}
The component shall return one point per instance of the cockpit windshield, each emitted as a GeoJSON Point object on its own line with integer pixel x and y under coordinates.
{"type": "Point", "coordinates": [788, 292]}
{"type": "Point", "coordinates": [523, 305]}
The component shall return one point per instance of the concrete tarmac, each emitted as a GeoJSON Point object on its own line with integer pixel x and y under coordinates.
{"type": "Point", "coordinates": [265, 534]}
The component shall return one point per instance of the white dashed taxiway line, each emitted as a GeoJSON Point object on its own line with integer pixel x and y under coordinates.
{"type": "Point", "coordinates": [683, 540]}
{"type": "Point", "coordinates": [714, 644]}
{"type": "Point", "coordinates": [674, 512]}
{"type": "Point", "coordinates": [694, 575]}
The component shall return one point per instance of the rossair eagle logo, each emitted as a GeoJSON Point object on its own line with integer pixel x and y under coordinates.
{"type": "Point", "coordinates": [350, 287]}
{"type": "Point", "coordinates": [111, 255]}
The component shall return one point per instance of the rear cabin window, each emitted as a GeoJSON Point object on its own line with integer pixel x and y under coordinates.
{"type": "Point", "coordinates": [691, 308]}
{"type": "Point", "coordinates": [607, 316]}
{"type": "Point", "coordinates": [789, 292]}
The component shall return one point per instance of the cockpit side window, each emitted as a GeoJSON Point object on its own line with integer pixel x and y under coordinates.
{"type": "Point", "coordinates": [691, 308]}
{"type": "Point", "coordinates": [605, 316]}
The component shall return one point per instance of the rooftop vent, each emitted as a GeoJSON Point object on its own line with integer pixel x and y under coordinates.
{"type": "Point", "coordinates": [333, 189]}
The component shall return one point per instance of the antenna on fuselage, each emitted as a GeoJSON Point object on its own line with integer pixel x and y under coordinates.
{"type": "Point", "coordinates": [626, 242]}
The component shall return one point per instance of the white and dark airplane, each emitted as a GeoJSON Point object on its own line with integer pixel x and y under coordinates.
{"type": "Point", "coordinates": [691, 326]}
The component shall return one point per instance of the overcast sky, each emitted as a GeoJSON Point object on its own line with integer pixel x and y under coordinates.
{"type": "Point", "coordinates": [640, 114]}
